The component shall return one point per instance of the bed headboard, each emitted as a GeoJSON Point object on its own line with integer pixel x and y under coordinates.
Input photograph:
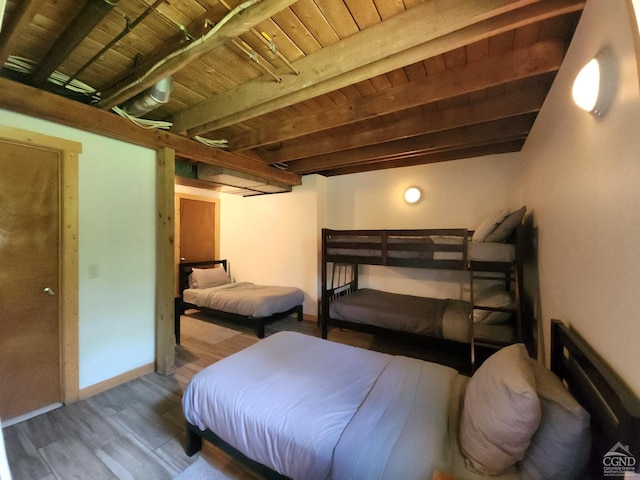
{"type": "Point", "coordinates": [185, 268]}
{"type": "Point", "coordinates": [614, 408]}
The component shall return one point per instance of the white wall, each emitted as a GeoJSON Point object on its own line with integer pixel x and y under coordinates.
{"type": "Point", "coordinates": [272, 239]}
{"type": "Point", "coordinates": [117, 235]}
{"type": "Point", "coordinates": [457, 194]}
{"type": "Point", "coordinates": [581, 180]}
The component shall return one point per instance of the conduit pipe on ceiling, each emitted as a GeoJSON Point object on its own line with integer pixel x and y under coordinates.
{"type": "Point", "coordinates": [150, 99]}
{"type": "Point", "coordinates": [128, 27]}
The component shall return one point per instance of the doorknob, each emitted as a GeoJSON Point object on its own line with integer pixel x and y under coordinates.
{"type": "Point", "coordinates": [49, 291]}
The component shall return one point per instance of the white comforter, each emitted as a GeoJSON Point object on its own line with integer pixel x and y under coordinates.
{"type": "Point", "coordinates": [314, 409]}
{"type": "Point", "coordinates": [245, 298]}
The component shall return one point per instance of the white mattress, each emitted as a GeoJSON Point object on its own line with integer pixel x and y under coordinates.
{"type": "Point", "coordinates": [245, 298]}
{"type": "Point", "coordinates": [314, 409]}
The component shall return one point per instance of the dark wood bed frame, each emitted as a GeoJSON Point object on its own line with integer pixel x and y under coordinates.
{"type": "Point", "coordinates": [184, 270]}
{"type": "Point", "coordinates": [507, 272]}
{"type": "Point", "coordinates": [614, 408]}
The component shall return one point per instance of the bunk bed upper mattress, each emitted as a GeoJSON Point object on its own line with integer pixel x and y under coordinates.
{"type": "Point", "coordinates": [431, 247]}
{"type": "Point", "coordinates": [245, 298]}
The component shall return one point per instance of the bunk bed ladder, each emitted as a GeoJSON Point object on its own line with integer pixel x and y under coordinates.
{"type": "Point", "coordinates": [472, 345]}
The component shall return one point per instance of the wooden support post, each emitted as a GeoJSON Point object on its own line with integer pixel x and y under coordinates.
{"type": "Point", "coordinates": [165, 231]}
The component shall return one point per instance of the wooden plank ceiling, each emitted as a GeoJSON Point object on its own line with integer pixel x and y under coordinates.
{"type": "Point", "coordinates": [309, 86]}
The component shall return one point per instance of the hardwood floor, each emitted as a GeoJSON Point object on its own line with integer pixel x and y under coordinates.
{"type": "Point", "coordinates": [136, 430]}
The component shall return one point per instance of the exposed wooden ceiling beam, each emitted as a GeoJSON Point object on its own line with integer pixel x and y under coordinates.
{"type": "Point", "coordinates": [538, 59]}
{"type": "Point", "coordinates": [14, 30]}
{"type": "Point", "coordinates": [511, 104]}
{"type": "Point", "coordinates": [482, 134]}
{"type": "Point", "coordinates": [235, 26]}
{"type": "Point", "coordinates": [85, 21]}
{"type": "Point", "coordinates": [38, 103]}
{"type": "Point", "coordinates": [422, 23]}
{"type": "Point", "coordinates": [476, 151]}
{"type": "Point", "coordinates": [365, 55]}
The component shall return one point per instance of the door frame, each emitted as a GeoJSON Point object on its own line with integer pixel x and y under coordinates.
{"type": "Point", "coordinates": [68, 259]}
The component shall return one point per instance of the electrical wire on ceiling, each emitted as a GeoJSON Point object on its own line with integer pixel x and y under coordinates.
{"type": "Point", "coordinates": [24, 65]}
{"type": "Point", "coordinates": [237, 10]}
{"type": "Point", "coordinates": [143, 122]}
{"type": "Point", "coordinates": [222, 143]}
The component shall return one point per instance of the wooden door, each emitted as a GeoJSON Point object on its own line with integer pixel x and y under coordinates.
{"type": "Point", "coordinates": [29, 279]}
{"type": "Point", "coordinates": [197, 230]}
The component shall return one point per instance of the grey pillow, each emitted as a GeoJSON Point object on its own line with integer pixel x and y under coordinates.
{"type": "Point", "coordinates": [210, 277]}
{"type": "Point", "coordinates": [507, 226]}
{"type": "Point", "coordinates": [501, 412]}
{"type": "Point", "coordinates": [560, 448]}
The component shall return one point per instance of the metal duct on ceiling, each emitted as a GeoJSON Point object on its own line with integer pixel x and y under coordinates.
{"type": "Point", "coordinates": [150, 99]}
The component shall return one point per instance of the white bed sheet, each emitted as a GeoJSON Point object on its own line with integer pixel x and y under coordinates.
{"type": "Point", "coordinates": [314, 409]}
{"type": "Point", "coordinates": [245, 298]}
{"type": "Point", "coordinates": [401, 431]}
{"type": "Point", "coordinates": [284, 401]}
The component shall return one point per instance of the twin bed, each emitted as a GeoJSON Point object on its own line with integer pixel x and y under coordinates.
{"type": "Point", "coordinates": [305, 408]}
{"type": "Point", "coordinates": [206, 286]}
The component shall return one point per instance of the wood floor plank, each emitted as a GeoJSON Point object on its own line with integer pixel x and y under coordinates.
{"type": "Point", "coordinates": [24, 458]}
{"type": "Point", "coordinates": [69, 457]}
{"type": "Point", "coordinates": [92, 426]}
{"type": "Point", "coordinates": [146, 425]}
{"type": "Point", "coordinates": [128, 459]}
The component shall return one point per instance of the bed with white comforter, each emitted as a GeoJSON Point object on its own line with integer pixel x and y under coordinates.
{"type": "Point", "coordinates": [311, 409]}
{"type": "Point", "coordinates": [310, 429]}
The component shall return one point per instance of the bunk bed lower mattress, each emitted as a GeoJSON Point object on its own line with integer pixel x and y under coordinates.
{"type": "Point", "coordinates": [432, 317]}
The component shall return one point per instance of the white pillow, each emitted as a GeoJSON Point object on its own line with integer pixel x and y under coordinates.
{"type": "Point", "coordinates": [506, 226]}
{"type": "Point", "coordinates": [560, 448]}
{"type": "Point", "coordinates": [488, 225]}
{"type": "Point", "coordinates": [494, 297]}
{"type": "Point", "coordinates": [501, 412]}
{"type": "Point", "coordinates": [210, 277]}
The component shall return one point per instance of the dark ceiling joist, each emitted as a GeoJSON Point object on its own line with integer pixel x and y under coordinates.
{"type": "Point", "coordinates": [41, 104]}
{"type": "Point", "coordinates": [519, 102]}
{"type": "Point", "coordinates": [538, 59]}
{"type": "Point", "coordinates": [85, 21]}
{"type": "Point", "coordinates": [466, 153]}
{"type": "Point", "coordinates": [483, 134]}
{"type": "Point", "coordinates": [15, 28]}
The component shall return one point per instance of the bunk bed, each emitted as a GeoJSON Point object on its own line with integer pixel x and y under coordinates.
{"type": "Point", "coordinates": [491, 321]}
{"type": "Point", "coordinates": [243, 303]}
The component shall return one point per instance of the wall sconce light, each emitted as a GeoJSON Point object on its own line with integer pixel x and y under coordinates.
{"type": "Point", "coordinates": [595, 85]}
{"type": "Point", "coordinates": [412, 195]}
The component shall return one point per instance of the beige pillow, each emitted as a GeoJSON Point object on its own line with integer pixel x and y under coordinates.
{"type": "Point", "coordinates": [501, 412]}
{"type": "Point", "coordinates": [494, 297]}
{"type": "Point", "coordinates": [209, 277]}
{"type": "Point", "coordinates": [560, 448]}
{"type": "Point", "coordinates": [488, 225]}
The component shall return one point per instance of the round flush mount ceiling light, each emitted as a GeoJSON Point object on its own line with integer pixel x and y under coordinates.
{"type": "Point", "coordinates": [594, 86]}
{"type": "Point", "coordinates": [412, 195]}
